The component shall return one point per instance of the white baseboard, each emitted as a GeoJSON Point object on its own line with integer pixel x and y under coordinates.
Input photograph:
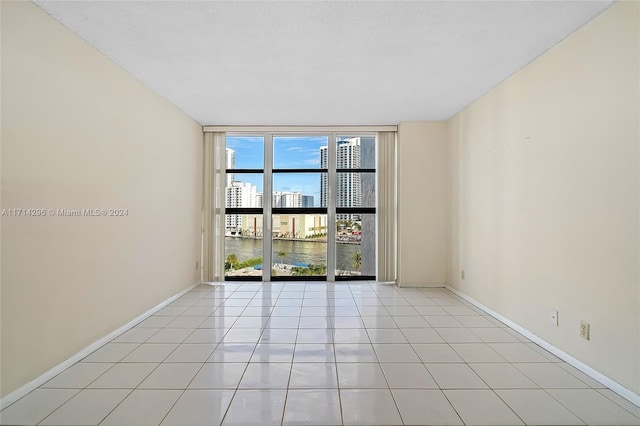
{"type": "Point", "coordinates": [420, 285]}
{"type": "Point", "coordinates": [610, 383]}
{"type": "Point", "coordinates": [40, 380]}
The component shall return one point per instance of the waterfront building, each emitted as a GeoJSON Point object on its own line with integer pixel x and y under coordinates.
{"type": "Point", "coordinates": [239, 194]}
{"type": "Point", "coordinates": [299, 225]}
{"type": "Point", "coordinates": [252, 225]}
{"type": "Point", "coordinates": [284, 225]}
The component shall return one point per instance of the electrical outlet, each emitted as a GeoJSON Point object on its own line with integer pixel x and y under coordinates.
{"type": "Point", "coordinates": [553, 317]}
{"type": "Point", "coordinates": [197, 264]}
{"type": "Point", "coordinates": [584, 330]}
{"type": "Point", "coordinates": [462, 274]}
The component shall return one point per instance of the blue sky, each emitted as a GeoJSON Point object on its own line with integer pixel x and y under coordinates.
{"type": "Point", "coordinates": [289, 152]}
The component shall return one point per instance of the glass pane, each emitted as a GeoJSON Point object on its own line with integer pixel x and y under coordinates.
{"type": "Point", "coordinates": [298, 152]}
{"type": "Point", "coordinates": [298, 189]}
{"type": "Point", "coordinates": [243, 246]}
{"type": "Point", "coordinates": [245, 152]}
{"type": "Point", "coordinates": [243, 190]}
{"type": "Point", "coordinates": [356, 246]}
{"type": "Point", "coordinates": [299, 245]}
{"type": "Point", "coordinates": [356, 152]}
{"type": "Point", "coordinates": [355, 189]}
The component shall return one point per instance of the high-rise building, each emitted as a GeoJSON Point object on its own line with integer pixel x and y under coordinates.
{"type": "Point", "coordinates": [239, 194]}
{"type": "Point", "coordinates": [230, 163]}
{"type": "Point", "coordinates": [348, 185]}
{"type": "Point", "coordinates": [307, 201]}
{"type": "Point", "coordinates": [324, 163]}
{"type": "Point", "coordinates": [287, 199]}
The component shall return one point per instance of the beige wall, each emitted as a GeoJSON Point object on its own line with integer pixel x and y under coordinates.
{"type": "Point", "coordinates": [422, 203]}
{"type": "Point", "coordinates": [545, 195]}
{"type": "Point", "coordinates": [79, 132]}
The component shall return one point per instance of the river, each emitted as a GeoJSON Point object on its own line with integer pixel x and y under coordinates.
{"type": "Point", "coordinates": [296, 252]}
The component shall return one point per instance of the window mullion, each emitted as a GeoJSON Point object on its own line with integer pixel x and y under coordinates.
{"type": "Point", "coordinates": [331, 207]}
{"type": "Point", "coordinates": [267, 201]}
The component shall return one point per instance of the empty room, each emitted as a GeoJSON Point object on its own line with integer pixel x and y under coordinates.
{"type": "Point", "coordinates": [320, 212]}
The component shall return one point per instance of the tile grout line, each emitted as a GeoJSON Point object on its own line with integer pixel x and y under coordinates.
{"type": "Point", "coordinates": [116, 406]}
{"type": "Point", "coordinates": [86, 387]}
{"type": "Point", "coordinates": [546, 390]}
{"type": "Point", "coordinates": [451, 405]}
{"type": "Point", "coordinates": [55, 409]}
{"type": "Point", "coordinates": [185, 389]}
{"type": "Point", "coordinates": [120, 362]}
{"type": "Point", "coordinates": [235, 392]}
{"type": "Point", "coordinates": [381, 304]}
{"type": "Point", "coordinates": [203, 364]}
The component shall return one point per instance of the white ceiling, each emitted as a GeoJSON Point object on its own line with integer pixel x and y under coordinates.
{"type": "Point", "coordinates": [322, 62]}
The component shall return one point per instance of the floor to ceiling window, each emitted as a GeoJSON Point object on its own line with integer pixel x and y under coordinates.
{"type": "Point", "coordinates": [243, 192]}
{"type": "Point", "coordinates": [299, 206]}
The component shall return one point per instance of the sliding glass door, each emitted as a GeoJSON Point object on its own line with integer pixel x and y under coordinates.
{"type": "Point", "coordinates": [300, 206]}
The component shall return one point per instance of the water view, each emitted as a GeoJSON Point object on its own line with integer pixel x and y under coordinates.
{"type": "Point", "coordinates": [297, 253]}
{"type": "Point", "coordinates": [297, 248]}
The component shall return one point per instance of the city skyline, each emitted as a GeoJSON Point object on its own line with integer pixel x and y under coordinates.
{"type": "Point", "coordinates": [288, 152]}
{"type": "Point", "coordinates": [247, 152]}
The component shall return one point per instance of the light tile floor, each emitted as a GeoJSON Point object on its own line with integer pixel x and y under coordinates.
{"type": "Point", "coordinates": [318, 353]}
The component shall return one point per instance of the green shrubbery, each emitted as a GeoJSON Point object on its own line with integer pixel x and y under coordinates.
{"type": "Point", "coordinates": [309, 270]}
{"type": "Point", "coordinates": [232, 261]}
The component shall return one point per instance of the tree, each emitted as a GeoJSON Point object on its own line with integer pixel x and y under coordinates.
{"type": "Point", "coordinates": [357, 261]}
{"type": "Point", "coordinates": [231, 262]}
{"type": "Point", "coordinates": [232, 259]}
